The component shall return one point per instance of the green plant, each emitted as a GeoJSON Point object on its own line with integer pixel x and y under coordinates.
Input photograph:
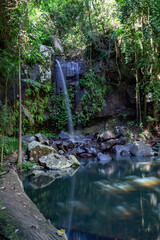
{"type": "Point", "coordinates": [122, 116]}
{"type": "Point", "coordinates": [150, 119]}
{"type": "Point", "coordinates": [10, 145]}
{"type": "Point", "coordinates": [128, 134]}
{"type": "Point", "coordinates": [142, 134]}
{"type": "Point", "coordinates": [57, 110]}
{"type": "Point", "coordinates": [94, 99]}
{"type": "Point", "coordinates": [34, 107]}
{"type": "Point", "coordinates": [28, 165]}
{"type": "Point", "coordinates": [3, 168]}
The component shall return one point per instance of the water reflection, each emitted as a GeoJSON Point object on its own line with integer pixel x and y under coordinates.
{"type": "Point", "coordinates": [119, 200]}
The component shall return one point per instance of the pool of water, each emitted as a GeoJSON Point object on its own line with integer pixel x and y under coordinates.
{"type": "Point", "coordinates": [119, 200]}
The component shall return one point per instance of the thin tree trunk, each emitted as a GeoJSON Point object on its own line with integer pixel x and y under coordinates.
{"type": "Point", "coordinates": [20, 116]}
{"type": "Point", "coordinates": [145, 108]}
{"type": "Point", "coordinates": [2, 148]}
{"type": "Point", "coordinates": [117, 57]}
{"type": "Point", "coordinates": [137, 92]}
{"type": "Point", "coordinates": [155, 115]}
{"type": "Point", "coordinates": [6, 88]}
{"type": "Point", "coordinates": [138, 99]}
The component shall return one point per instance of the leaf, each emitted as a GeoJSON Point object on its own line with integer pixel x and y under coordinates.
{"type": "Point", "coordinates": [28, 114]}
{"type": "Point", "coordinates": [61, 232]}
{"type": "Point", "coordinates": [31, 82]}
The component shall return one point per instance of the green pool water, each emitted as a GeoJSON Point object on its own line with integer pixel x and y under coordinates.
{"type": "Point", "coordinates": [119, 200]}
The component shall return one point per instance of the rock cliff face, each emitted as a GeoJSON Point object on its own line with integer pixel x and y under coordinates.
{"type": "Point", "coordinates": [40, 72]}
{"type": "Point", "coordinates": [120, 101]}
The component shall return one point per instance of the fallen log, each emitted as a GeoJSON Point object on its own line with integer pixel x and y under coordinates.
{"type": "Point", "coordinates": [20, 219]}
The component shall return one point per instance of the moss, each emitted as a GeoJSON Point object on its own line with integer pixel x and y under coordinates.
{"type": "Point", "coordinates": [7, 225]}
{"type": "Point", "coordinates": [39, 151]}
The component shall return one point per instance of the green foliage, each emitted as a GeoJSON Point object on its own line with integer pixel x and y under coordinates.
{"type": "Point", "coordinates": [151, 119]}
{"type": "Point", "coordinates": [10, 144]}
{"type": "Point", "coordinates": [28, 165]}
{"type": "Point", "coordinates": [3, 169]}
{"type": "Point", "coordinates": [140, 43]}
{"type": "Point", "coordinates": [93, 100]}
{"type": "Point", "coordinates": [6, 123]}
{"type": "Point", "coordinates": [128, 134]}
{"type": "Point", "coordinates": [57, 110]}
{"type": "Point", "coordinates": [122, 116]}
{"type": "Point", "coordinates": [35, 105]}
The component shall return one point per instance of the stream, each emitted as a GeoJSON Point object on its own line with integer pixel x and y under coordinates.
{"type": "Point", "coordinates": [118, 200]}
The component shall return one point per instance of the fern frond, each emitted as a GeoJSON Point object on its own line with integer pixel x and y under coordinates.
{"type": "Point", "coordinates": [28, 114]}
{"type": "Point", "coordinates": [31, 82]}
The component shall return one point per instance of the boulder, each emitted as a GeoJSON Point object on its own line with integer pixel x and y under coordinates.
{"type": "Point", "coordinates": [112, 142]}
{"type": "Point", "coordinates": [57, 161]}
{"type": "Point", "coordinates": [119, 131]}
{"type": "Point", "coordinates": [122, 140]}
{"type": "Point", "coordinates": [64, 136]}
{"type": "Point", "coordinates": [92, 150]}
{"type": "Point", "coordinates": [140, 149]}
{"type": "Point", "coordinates": [58, 143]}
{"type": "Point", "coordinates": [104, 158]}
{"type": "Point", "coordinates": [106, 136]}
{"type": "Point", "coordinates": [122, 149]}
{"type": "Point", "coordinates": [102, 146]}
{"type": "Point", "coordinates": [36, 150]}
{"type": "Point", "coordinates": [80, 150]}
{"type": "Point", "coordinates": [68, 144]}
{"type": "Point", "coordinates": [42, 139]}
{"type": "Point", "coordinates": [27, 139]}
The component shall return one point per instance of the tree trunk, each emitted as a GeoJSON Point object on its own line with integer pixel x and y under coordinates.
{"type": "Point", "coordinates": [2, 148]}
{"type": "Point", "coordinates": [138, 99]}
{"type": "Point", "coordinates": [20, 117]}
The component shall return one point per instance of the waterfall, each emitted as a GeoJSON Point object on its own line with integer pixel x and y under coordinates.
{"type": "Point", "coordinates": [77, 81]}
{"type": "Point", "coordinates": [69, 115]}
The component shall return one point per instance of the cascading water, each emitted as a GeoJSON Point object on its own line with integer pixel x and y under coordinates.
{"type": "Point", "coordinates": [68, 108]}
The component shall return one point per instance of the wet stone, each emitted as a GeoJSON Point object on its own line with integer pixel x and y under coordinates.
{"type": "Point", "coordinates": [119, 131]}
{"type": "Point", "coordinates": [42, 139]}
{"type": "Point", "coordinates": [28, 138]}
{"type": "Point", "coordinates": [104, 158]}
{"type": "Point", "coordinates": [139, 149]}
{"type": "Point", "coordinates": [86, 155]}
{"type": "Point", "coordinates": [64, 136]}
{"type": "Point", "coordinates": [106, 136]}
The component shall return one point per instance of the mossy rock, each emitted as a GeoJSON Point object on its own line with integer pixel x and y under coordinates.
{"type": "Point", "coordinates": [57, 161]}
{"type": "Point", "coordinates": [37, 150]}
